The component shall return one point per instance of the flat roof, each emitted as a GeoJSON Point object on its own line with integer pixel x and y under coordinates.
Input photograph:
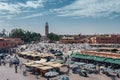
{"type": "Point", "coordinates": [56, 65]}
{"type": "Point", "coordinates": [36, 65]}
{"type": "Point", "coordinates": [45, 67]}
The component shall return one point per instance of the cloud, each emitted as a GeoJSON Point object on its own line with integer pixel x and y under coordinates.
{"type": "Point", "coordinates": [9, 7]}
{"type": "Point", "coordinates": [90, 8]}
{"type": "Point", "coordinates": [33, 15]}
{"type": "Point", "coordinates": [11, 10]}
{"type": "Point", "coordinates": [17, 7]}
{"type": "Point", "coordinates": [7, 16]}
{"type": "Point", "coordinates": [32, 4]}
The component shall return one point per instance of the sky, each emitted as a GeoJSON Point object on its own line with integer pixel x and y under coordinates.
{"type": "Point", "coordinates": [63, 16]}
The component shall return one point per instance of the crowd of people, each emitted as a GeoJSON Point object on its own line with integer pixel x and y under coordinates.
{"type": "Point", "coordinates": [45, 47]}
{"type": "Point", "coordinates": [66, 49]}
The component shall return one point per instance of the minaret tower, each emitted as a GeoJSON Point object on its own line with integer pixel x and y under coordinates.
{"type": "Point", "coordinates": [46, 29]}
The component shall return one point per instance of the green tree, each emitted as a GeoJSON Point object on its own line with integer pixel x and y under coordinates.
{"type": "Point", "coordinates": [53, 37]}
{"type": "Point", "coordinates": [17, 33]}
{"type": "Point", "coordinates": [3, 33]}
{"type": "Point", "coordinates": [35, 36]}
{"type": "Point", "coordinates": [26, 36]}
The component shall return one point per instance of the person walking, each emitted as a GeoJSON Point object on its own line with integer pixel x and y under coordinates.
{"type": "Point", "coordinates": [16, 66]}
{"type": "Point", "coordinates": [4, 62]}
{"type": "Point", "coordinates": [25, 72]}
{"type": "Point", "coordinates": [0, 61]}
{"type": "Point", "coordinates": [68, 67]}
{"type": "Point", "coordinates": [20, 64]}
{"type": "Point", "coordinates": [36, 74]}
{"type": "Point", "coordinates": [48, 79]}
{"type": "Point", "coordinates": [10, 64]}
{"type": "Point", "coordinates": [118, 75]}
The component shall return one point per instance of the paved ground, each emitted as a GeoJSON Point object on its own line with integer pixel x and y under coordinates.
{"type": "Point", "coordinates": [9, 73]}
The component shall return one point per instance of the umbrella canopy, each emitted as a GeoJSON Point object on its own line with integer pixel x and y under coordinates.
{"type": "Point", "coordinates": [102, 67]}
{"type": "Point", "coordinates": [83, 73]}
{"type": "Point", "coordinates": [76, 70]}
{"type": "Point", "coordinates": [52, 51]}
{"type": "Point", "coordinates": [74, 66]}
{"type": "Point", "coordinates": [90, 66]}
{"type": "Point", "coordinates": [51, 73]}
{"type": "Point", "coordinates": [14, 60]}
{"type": "Point", "coordinates": [117, 70]}
{"type": "Point", "coordinates": [107, 70]}
{"type": "Point", "coordinates": [58, 54]}
{"type": "Point", "coordinates": [83, 70]}
{"type": "Point", "coordinates": [70, 62]}
{"type": "Point", "coordinates": [79, 63]}
{"type": "Point", "coordinates": [63, 78]}
{"type": "Point", "coordinates": [1, 54]}
{"type": "Point", "coordinates": [60, 61]}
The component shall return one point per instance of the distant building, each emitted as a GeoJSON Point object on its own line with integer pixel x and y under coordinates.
{"type": "Point", "coordinates": [6, 43]}
{"type": "Point", "coordinates": [106, 39]}
{"type": "Point", "coordinates": [73, 39]}
{"type": "Point", "coordinates": [46, 29]}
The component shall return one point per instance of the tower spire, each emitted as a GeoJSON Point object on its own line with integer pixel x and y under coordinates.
{"type": "Point", "coordinates": [46, 29]}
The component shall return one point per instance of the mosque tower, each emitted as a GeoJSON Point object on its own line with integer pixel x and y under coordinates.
{"type": "Point", "coordinates": [46, 29]}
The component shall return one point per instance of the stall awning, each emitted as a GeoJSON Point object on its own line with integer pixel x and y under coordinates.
{"type": "Point", "coordinates": [117, 61]}
{"type": "Point", "coordinates": [81, 56]}
{"type": "Point", "coordinates": [89, 57]}
{"type": "Point", "coordinates": [109, 60]}
{"type": "Point", "coordinates": [96, 58]}
{"type": "Point", "coordinates": [100, 59]}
